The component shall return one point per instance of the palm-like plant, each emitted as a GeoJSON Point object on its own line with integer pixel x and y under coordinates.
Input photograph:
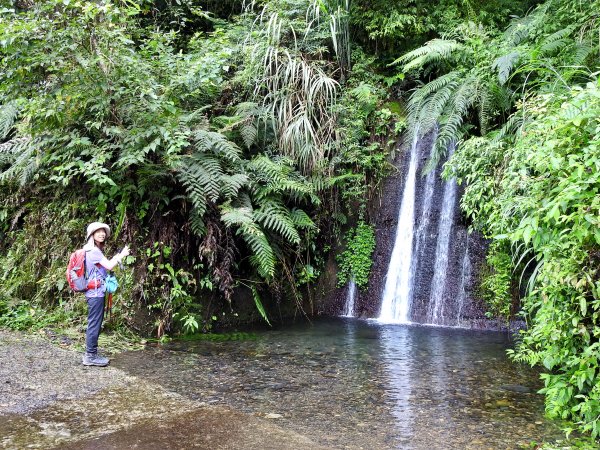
{"type": "Point", "coordinates": [479, 78]}
{"type": "Point", "coordinates": [297, 94]}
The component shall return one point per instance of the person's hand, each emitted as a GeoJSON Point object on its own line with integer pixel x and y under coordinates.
{"type": "Point", "coordinates": [124, 252]}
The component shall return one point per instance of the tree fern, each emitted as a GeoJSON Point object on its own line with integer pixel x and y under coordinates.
{"type": "Point", "coordinates": [422, 94]}
{"type": "Point", "coordinates": [505, 64]}
{"type": "Point", "coordinates": [430, 111]}
{"type": "Point", "coordinates": [8, 117]}
{"type": "Point", "coordinates": [20, 156]}
{"type": "Point", "coordinates": [263, 255]}
{"type": "Point", "coordinates": [276, 217]}
{"type": "Point", "coordinates": [432, 52]}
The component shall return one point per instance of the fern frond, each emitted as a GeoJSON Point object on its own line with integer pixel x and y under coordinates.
{"type": "Point", "coordinates": [211, 141]}
{"type": "Point", "coordinates": [424, 92]}
{"type": "Point", "coordinates": [504, 65]}
{"type": "Point", "coordinates": [20, 155]}
{"type": "Point", "coordinates": [556, 40]}
{"type": "Point", "coordinates": [433, 51]}
{"type": "Point", "coordinates": [249, 133]}
{"type": "Point", "coordinates": [264, 257]}
{"type": "Point", "coordinates": [231, 184]}
{"type": "Point", "coordinates": [14, 146]}
{"type": "Point", "coordinates": [301, 219]}
{"type": "Point", "coordinates": [193, 179]}
{"type": "Point", "coordinates": [511, 128]}
{"type": "Point", "coordinates": [581, 54]}
{"type": "Point", "coordinates": [239, 216]}
{"type": "Point", "coordinates": [197, 224]}
{"type": "Point", "coordinates": [550, 48]}
{"type": "Point", "coordinates": [267, 169]}
{"type": "Point", "coordinates": [276, 217]}
{"type": "Point", "coordinates": [450, 125]}
{"type": "Point", "coordinates": [259, 305]}
{"type": "Point", "coordinates": [432, 109]}
{"type": "Point", "coordinates": [485, 111]}
{"type": "Point", "coordinates": [242, 218]}
{"type": "Point", "coordinates": [519, 28]}
{"type": "Point", "coordinates": [206, 171]}
{"type": "Point", "coordinates": [8, 116]}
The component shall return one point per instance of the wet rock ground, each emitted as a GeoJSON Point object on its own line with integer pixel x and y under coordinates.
{"type": "Point", "coordinates": [335, 384]}
{"type": "Point", "coordinates": [49, 400]}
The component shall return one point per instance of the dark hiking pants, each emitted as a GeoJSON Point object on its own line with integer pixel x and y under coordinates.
{"type": "Point", "coordinates": [95, 316]}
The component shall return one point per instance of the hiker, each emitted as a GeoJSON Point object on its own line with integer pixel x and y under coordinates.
{"type": "Point", "coordinates": [96, 268]}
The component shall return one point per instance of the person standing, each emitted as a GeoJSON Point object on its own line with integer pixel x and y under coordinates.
{"type": "Point", "coordinates": [96, 269]}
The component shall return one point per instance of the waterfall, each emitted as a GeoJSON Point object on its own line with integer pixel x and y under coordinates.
{"type": "Point", "coordinates": [435, 313]}
{"type": "Point", "coordinates": [396, 295]}
{"type": "Point", "coordinates": [350, 299]}
{"type": "Point", "coordinates": [430, 271]}
{"type": "Point", "coordinates": [465, 279]}
{"type": "Point", "coordinates": [423, 223]}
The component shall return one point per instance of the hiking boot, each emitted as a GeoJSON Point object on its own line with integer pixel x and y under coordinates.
{"type": "Point", "coordinates": [93, 359]}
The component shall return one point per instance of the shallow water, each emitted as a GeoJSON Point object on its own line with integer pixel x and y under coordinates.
{"type": "Point", "coordinates": [358, 384]}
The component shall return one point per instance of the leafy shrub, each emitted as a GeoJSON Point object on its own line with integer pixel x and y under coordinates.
{"type": "Point", "coordinates": [356, 261]}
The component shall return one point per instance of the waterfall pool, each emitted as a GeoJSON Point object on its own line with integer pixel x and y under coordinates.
{"type": "Point", "coordinates": [348, 383]}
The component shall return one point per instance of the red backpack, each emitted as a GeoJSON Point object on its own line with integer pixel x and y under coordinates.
{"type": "Point", "coordinates": [76, 276]}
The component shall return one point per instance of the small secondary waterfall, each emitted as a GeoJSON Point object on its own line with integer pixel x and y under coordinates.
{"type": "Point", "coordinates": [465, 281]}
{"type": "Point", "coordinates": [435, 311]}
{"type": "Point", "coordinates": [350, 299]}
{"type": "Point", "coordinates": [429, 278]}
{"type": "Point", "coordinates": [396, 295]}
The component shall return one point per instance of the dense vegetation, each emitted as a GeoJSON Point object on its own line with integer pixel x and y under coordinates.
{"type": "Point", "coordinates": [233, 144]}
{"type": "Point", "coordinates": [525, 103]}
{"type": "Point", "coordinates": [221, 150]}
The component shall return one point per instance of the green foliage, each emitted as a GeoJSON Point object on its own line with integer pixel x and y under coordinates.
{"type": "Point", "coordinates": [355, 262]}
{"type": "Point", "coordinates": [479, 74]}
{"type": "Point", "coordinates": [532, 184]}
{"type": "Point", "coordinates": [391, 27]}
{"type": "Point", "coordinates": [219, 140]}
{"type": "Point", "coordinates": [369, 132]}
{"type": "Point", "coordinates": [259, 306]}
{"type": "Point", "coordinates": [544, 202]}
{"type": "Point", "coordinates": [496, 285]}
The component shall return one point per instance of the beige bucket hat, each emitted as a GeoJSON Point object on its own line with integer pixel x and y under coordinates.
{"type": "Point", "coordinates": [95, 226]}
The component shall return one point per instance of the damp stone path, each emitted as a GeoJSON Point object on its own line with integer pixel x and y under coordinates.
{"type": "Point", "coordinates": [48, 400]}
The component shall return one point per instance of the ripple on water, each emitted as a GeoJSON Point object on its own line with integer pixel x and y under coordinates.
{"type": "Point", "coordinates": [350, 383]}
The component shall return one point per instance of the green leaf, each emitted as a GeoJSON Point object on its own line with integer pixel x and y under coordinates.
{"type": "Point", "coordinates": [259, 305]}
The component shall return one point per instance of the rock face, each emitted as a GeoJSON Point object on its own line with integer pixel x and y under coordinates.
{"type": "Point", "coordinates": [454, 302]}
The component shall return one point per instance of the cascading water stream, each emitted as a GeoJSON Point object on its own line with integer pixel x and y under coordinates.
{"type": "Point", "coordinates": [465, 278]}
{"type": "Point", "coordinates": [423, 223]}
{"type": "Point", "coordinates": [350, 299]}
{"type": "Point", "coordinates": [435, 311]}
{"type": "Point", "coordinates": [430, 271]}
{"type": "Point", "coordinates": [396, 295]}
